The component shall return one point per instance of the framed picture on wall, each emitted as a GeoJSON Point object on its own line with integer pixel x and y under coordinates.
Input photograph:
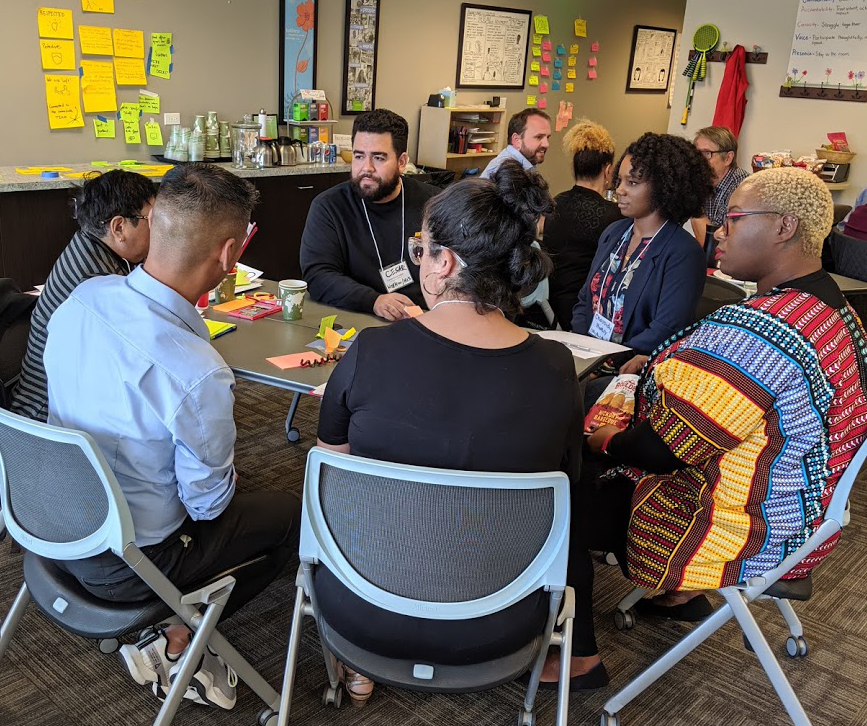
{"type": "Point", "coordinates": [650, 59]}
{"type": "Point", "coordinates": [492, 47]}
{"type": "Point", "coordinates": [361, 38]}
{"type": "Point", "coordinates": [298, 24]}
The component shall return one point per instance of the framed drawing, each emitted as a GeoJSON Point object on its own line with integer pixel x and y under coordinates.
{"type": "Point", "coordinates": [298, 23]}
{"type": "Point", "coordinates": [492, 47]}
{"type": "Point", "coordinates": [359, 56]}
{"type": "Point", "coordinates": [650, 59]}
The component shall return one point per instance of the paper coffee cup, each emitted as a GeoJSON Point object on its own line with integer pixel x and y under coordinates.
{"type": "Point", "coordinates": [291, 294]}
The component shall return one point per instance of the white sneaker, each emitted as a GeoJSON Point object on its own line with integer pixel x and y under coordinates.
{"type": "Point", "coordinates": [214, 683]}
{"type": "Point", "coordinates": [147, 660]}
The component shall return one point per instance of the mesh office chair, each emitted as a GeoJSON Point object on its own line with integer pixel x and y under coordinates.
{"type": "Point", "coordinates": [717, 293]}
{"type": "Point", "coordinates": [399, 537]}
{"type": "Point", "coordinates": [738, 597]}
{"type": "Point", "coordinates": [62, 502]}
{"type": "Point", "coordinates": [850, 255]}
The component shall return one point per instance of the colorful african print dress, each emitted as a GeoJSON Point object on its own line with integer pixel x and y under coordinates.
{"type": "Point", "coordinates": [764, 402]}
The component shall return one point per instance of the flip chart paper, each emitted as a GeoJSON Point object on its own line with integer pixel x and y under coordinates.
{"type": "Point", "coordinates": [128, 43]}
{"type": "Point", "coordinates": [540, 24]}
{"type": "Point", "coordinates": [581, 28]}
{"type": "Point", "coordinates": [57, 55]}
{"type": "Point", "coordinates": [94, 40]}
{"type": "Point", "coordinates": [97, 6]}
{"type": "Point", "coordinates": [62, 99]}
{"type": "Point", "coordinates": [103, 128]}
{"type": "Point", "coordinates": [54, 22]}
{"type": "Point", "coordinates": [129, 72]}
{"type": "Point", "coordinates": [97, 86]}
{"type": "Point", "coordinates": [149, 101]}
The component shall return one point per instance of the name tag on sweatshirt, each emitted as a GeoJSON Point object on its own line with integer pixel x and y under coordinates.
{"type": "Point", "coordinates": [396, 276]}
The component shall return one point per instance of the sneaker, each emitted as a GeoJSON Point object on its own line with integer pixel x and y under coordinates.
{"type": "Point", "coordinates": [214, 682]}
{"type": "Point", "coordinates": [147, 660]}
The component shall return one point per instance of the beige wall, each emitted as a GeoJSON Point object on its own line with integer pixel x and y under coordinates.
{"type": "Point", "coordinates": [227, 59]}
{"type": "Point", "coordinates": [771, 122]}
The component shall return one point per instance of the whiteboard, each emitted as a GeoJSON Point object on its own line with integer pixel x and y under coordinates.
{"type": "Point", "coordinates": [829, 44]}
{"type": "Point", "coordinates": [492, 52]}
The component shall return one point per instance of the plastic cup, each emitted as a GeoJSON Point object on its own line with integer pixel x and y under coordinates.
{"type": "Point", "coordinates": [291, 293]}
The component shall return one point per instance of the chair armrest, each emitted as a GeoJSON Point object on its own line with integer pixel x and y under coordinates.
{"type": "Point", "coordinates": [568, 609]}
{"type": "Point", "coordinates": [210, 593]}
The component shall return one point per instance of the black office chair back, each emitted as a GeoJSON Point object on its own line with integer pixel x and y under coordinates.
{"type": "Point", "coordinates": [850, 255]}
{"type": "Point", "coordinates": [717, 293]}
{"type": "Point", "coordinates": [434, 543]}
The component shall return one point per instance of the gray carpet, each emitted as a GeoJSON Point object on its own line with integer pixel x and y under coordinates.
{"type": "Point", "coordinates": [50, 678]}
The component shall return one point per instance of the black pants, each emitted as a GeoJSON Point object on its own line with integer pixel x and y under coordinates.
{"type": "Point", "coordinates": [254, 524]}
{"type": "Point", "coordinates": [600, 516]}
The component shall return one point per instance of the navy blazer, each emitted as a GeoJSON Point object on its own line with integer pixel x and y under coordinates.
{"type": "Point", "coordinates": [661, 298]}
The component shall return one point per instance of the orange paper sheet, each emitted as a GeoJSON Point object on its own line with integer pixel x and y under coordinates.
{"type": "Point", "coordinates": [413, 311]}
{"type": "Point", "coordinates": [332, 340]}
{"type": "Point", "coordinates": [294, 360]}
{"type": "Point", "coordinates": [228, 307]}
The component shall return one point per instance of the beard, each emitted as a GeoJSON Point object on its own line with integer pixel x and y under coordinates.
{"type": "Point", "coordinates": [383, 188]}
{"type": "Point", "coordinates": [534, 157]}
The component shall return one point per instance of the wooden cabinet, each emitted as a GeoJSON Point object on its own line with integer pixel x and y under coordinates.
{"type": "Point", "coordinates": [437, 129]}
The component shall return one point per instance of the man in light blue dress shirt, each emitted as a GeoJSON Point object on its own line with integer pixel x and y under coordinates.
{"type": "Point", "coordinates": [528, 135]}
{"type": "Point", "coordinates": [129, 360]}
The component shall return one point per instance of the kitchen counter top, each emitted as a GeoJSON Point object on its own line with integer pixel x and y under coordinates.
{"type": "Point", "coordinates": [12, 181]}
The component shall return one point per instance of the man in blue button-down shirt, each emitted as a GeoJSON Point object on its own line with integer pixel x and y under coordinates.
{"type": "Point", "coordinates": [129, 360]}
{"type": "Point", "coordinates": [527, 143]}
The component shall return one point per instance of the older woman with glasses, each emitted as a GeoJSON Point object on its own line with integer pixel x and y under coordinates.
{"type": "Point", "coordinates": [459, 387]}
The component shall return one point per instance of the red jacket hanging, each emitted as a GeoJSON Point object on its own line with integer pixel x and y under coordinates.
{"type": "Point", "coordinates": [732, 101]}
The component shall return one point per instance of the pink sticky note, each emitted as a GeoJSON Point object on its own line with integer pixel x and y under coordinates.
{"type": "Point", "coordinates": [546, 56]}
{"type": "Point", "coordinates": [294, 360]}
{"type": "Point", "coordinates": [543, 103]}
{"type": "Point", "coordinates": [545, 71]}
{"type": "Point", "coordinates": [591, 73]}
{"type": "Point", "coordinates": [547, 45]}
{"type": "Point", "coordinates": [591, 61]}
{"type": "Point", "coordinates": [543, 88]}
{"type": "Point", "coordinates": [594, 46]}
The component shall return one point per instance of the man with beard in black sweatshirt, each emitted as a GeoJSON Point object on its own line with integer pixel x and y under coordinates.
{"type": "Point", "coordinates": [354, 246]}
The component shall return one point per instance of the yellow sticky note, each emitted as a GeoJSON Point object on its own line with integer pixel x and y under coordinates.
{"type": "Point", "coordinates": [54, 22]}
{"type": "Point", "coordinates": [581, 28]}
{"type": "Point", "coordinates": [103, 128]}
{"type": "Point", "coordinates": [533, 80]}
{"type": "Point", "coordinates": [97, 86]}
{"type": "Point", "coordinates": [531, 100]}
{"type": "Point", "coordinates": [128, 43]}
{"type": "Point", "coordinates": [570, 73]}
{"type": "Point", "coordinates": [95, 40]}
{"type": "Point", "coordinates": [534, 66]}
{"type": "Point", "coordinates": [57, 55]}
{"type": "Point", "coordinates": [573, 48]}
{"type": "Point", "coordinates": [39, 169]}
{"type": "Point", "coordinates": [572, 60]}
{"type": "Point", "coordinates": [153, 134]}
{"type": "Point", "coordinates": [537, 50]}
{"type": "Point", "coordinates": [129, 72]}
{"type": "Point", "coordinates": [540, 24]}
{"type": "Point", "coordinates": [332, 340]}
{"type": "Point", "coordinates": [129, 115]}
{"type": "Point", "coordinates": [149, 102]}
{"type": "Point", "coordinates": [97, 6]}
{"type": "Point", "coordinates": [537, 39]}
{"type": "Point", "coordinates": [349, 333]}
{"type": "Point", "coordinates": [79, 174]}
{"type": "Point", "coordinates": [64, 105]}
{"type": "Point", "coordinates": [570, 87]}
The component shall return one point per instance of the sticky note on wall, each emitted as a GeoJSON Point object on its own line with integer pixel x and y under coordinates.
{"type": "Point", "coordinates": [591, 73]}
{"type": "Point", "coordinates": [570, 87]}
{"type": "Point", "coordinates": [103, 128]}
{"type": "Point", "coordinates": [97, 6]}
{"type": "Point", "coordinates": [129, 115]}
{"type": "Point", "coordinates": [149, 101]}
{"type": "Point", "coordinates": [581, 28]}
{"type": "Point", "coordinates": [57, 55]}
{"type": "Point", "coordinates": [153, 134]}
{"type": "Point", "coordinates": [540, 24]}
{"type": "Point", "coordinates": [64, 106]}
{"type": "Point", "coordinates": [128, 43]}
{"type": "Point", "coordinates": [97, 86]}
{"type": "Point", "coordinates": [54, 22]}
{"type": "Point", "coordinates": [129, 72]}
{"type": "Point", "coordinates": [94, 40]}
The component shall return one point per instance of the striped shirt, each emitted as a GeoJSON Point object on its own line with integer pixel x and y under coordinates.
{"type": "Point", "coordinates": [85, 256]}
{"type": "Point", "coordinates": [717, 205]}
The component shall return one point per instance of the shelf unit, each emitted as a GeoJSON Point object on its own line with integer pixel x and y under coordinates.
{"type": "Point", "coordinates": [436, 125]}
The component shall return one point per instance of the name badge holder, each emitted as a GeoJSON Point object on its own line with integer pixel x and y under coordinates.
{"type": "Point", "coordinates": [397, 275]}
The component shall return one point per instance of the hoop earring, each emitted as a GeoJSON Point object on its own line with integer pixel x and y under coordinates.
{"type": "Point", "coordinates": [424, 286]}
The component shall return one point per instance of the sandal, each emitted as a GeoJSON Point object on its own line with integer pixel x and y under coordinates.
{"type": "Point", "coordinates": [359, 688]}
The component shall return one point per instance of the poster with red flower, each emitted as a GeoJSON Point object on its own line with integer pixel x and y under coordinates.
{"type": "Point", "coordinates": [297, 50]}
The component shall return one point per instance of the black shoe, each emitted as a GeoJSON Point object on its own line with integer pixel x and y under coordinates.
{"type": "Point", "coordinates": [691, 611]}
{"type": "Point", "coordinates": [596, 677]}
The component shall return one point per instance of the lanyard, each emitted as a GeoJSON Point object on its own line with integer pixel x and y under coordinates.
{"type": "Point", "coordinates": [402, 229]}
{"type": "Point", "coordinates": [632, 265]}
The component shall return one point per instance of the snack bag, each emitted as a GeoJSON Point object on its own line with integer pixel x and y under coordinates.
{"type": "Point", "coordinates": [615, 406]}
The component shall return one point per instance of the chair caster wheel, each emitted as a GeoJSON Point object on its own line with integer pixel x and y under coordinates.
{"type": "Point", "coordinates": [796, 646]}
{"type": "Point", "coordinates": [332, 696]}
{"type": "Point", "coordinates": [526, 718]}
{"type": "Point", "coordinates": [609, 719]}
{"type": "Point", "coordinates": [266, 717]}
{"type": "Point", "coordinates": [610, 559]}
{"type": "Point", "coordinates": [293, 435]}
{"type": "Point", "coordinates": [624, 620]}
{"type": "Point", "coordinates": [108, 645]}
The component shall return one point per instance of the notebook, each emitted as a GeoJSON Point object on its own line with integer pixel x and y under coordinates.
{"type": "Point", "coordinates": [216, 328]}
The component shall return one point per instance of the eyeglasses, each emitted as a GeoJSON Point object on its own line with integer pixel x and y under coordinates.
{"type": "Point", "coordinates": [733, 216]}
{"type": "Point", "coordinates": [708, 154]}
{"type": "Point", "coordinates": [416, 251]}
{"type": "Point", "coordinates": [126, 216]}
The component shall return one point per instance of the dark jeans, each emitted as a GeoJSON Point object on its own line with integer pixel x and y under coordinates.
{"type": "Point", "coordinates": [254, 524]}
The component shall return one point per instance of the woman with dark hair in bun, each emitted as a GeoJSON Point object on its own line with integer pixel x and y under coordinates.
{"type": "Point", "coordinates": [648, 273]}
{"type": "Point", "coordinates": [450, 389]}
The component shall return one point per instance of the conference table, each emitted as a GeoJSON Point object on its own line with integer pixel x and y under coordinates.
{"type": "Point", "coordinates": [246, 348]}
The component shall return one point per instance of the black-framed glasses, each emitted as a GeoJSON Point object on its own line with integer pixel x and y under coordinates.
{"type": "Point", "coordinates": [126, 216]}
{"type": "Point", "coordinates": [734, 216]}
{"type": "Point", "coordinates": [416, 251]}
{"type": "Point", "coordinates": [708, 154]}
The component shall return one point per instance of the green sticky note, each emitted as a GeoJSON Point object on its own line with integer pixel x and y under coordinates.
{"type": "Point", "coordinates": [324, 324]}
{"type": "Point", "coordinates": [103, 130]}
{"type": "Point", "coordinates": [537, 39]}
{"type": "Point", "coordinates": [534, 66]}
{"type": "Point", "coordinates": [129, 115]}
{"type": "Point", "coordinates": [153, 134]}
{"type": "Point", "coordinates": [99, 163]}
{"type": "Point", "coordinates": [149, 102]}
{"type": "Point", "coordinates": [537, 51]}
{"type": "Point", "coordinates": [540, 23]}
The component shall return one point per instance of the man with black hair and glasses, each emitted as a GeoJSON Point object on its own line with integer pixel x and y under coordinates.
{"type": "Point", "coordinates": [114, 234]}
{"type": "Point", "coordinates": [353, 250]}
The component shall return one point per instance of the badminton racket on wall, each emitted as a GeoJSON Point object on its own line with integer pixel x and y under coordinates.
{"type": "Point", "coordinates": [704, 40]}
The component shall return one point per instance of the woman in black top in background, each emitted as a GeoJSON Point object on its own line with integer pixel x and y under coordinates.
{"type": "Point", "coordinates": [580, 215]}
{"type": "Point", "coordinates": [460, 387]}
